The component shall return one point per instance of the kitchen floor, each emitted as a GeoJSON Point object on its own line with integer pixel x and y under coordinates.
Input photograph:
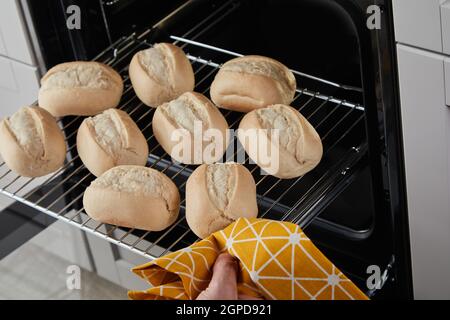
{"type": "Point", "coordinates": [33, 273]}
{"type": "Point", "coordinates": [30, 273]}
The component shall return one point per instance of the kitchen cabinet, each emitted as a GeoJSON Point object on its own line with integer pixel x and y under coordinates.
{"type": "Point", "coordinates": [19, 75]}
{"type": "Point", "coordinates": [426, 129]}
{"type": "Point", "coordinates": [14, 42]}
{"type": "Point", "coordinates": [114, 263]}
{"type": "Point", "coordinates": [63, 240]}
{"type": "Point", "coordinates": [445, 24]}
{"type": "Point", "coordinates": [418, 23]}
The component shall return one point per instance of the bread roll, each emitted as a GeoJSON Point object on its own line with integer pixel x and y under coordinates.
{"type": "Point", "coordinates": [217, 195]}
{"type": "Point", "coordinates": [80, 88]}
{"type": "Point", "coordinates": [110, 139]}
{"type": "Point", "coordinates": [174, 123]}
{"type": "Point", "coordinates": [298, 149]}
{"type": "Point", "coordinates": [160, 74]}
{"type": "Point", "coordinates": [133, 197]}
{"type": "Point", "coordinates": [252, 82]}
{"type": "Point", "coordinates": [31, 143]}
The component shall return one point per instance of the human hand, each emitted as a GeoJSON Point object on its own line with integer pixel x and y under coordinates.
{"type": "Point", "coordinates": [223, 285]}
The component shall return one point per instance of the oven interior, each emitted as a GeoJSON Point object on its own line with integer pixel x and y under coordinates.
{"type": "Point", "coordinates": [334, 204]}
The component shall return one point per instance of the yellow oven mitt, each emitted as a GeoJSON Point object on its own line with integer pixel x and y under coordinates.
{"type": "Point", "coordinates": [276, 261]}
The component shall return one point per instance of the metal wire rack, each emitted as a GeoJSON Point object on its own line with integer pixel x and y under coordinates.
{"type": "Point", "coordinates": [340, 124]}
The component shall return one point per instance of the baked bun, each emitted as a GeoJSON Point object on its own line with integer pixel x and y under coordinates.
{"type": "Point", "coordinates": [252, 82]}
{"type": "Point", "coordinates": [217, 195]}
{"type": "Point", "coordinates": [80, 88]}
{"type": "Point", "coordinates": [299, 149]}
{"type": "Point", "coordinates": [133, 197]}
{"type": "Point", "coordinates": [31, 143]}
{"type": "Point", "coordinates": [173, 126]}
{"type": "Point", "coordinates": [160, 74]}
{"type": "Point", "coordinates": [110, 139]}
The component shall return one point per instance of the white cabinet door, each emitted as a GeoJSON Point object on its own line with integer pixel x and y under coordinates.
{"type": "Point", "coordinates": [445, 22]}
{"type": "Point", "coordinates": [115, 263]}
{"type": "Point", "coordinates": [65, 241]}
{"type": "Point", "coordinates": [418, 23]}
{"type": "Point", "coordinates": [426, 121]}
{"type": "Point", "coordinates": [19, 85]}
{"type": "Point", "coordinates": [13, 33]}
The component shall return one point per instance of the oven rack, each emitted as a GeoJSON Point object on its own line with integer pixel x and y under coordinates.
{"type": "Point", "coordinates": [339, 122]}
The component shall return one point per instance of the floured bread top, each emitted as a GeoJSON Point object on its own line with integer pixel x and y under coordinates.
{"type": "Point", "coordinates": [184, 111]}
{"type": "Point", "coordinates": [264, 67]}
{"type": "Point", "coordinates": [79, 75]}
{"type": "Point", "coordinates": [221, 183]}
{"type": "Point", "coordinates": [156, 63]}
{"type": "Point", "coordinates": [107, 127]}
{"type": "Point", "coordinates": [283, 119]}
{"type": "Point", "coordinates": [27, 132]}
{"type": "Point", "coordinates": [134, 179]}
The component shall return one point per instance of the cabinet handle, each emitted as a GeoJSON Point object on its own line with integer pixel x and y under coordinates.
{"type": "Point", "coordinates": [445, 25]}
{"type": "Point", "coordinates": [447, 81]}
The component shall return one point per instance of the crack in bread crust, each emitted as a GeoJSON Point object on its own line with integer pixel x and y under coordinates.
{"type": "Point", "coordinates": [107, 129]}
{"type": "Point", "coordinates": [24, 127]}
{"type": "Point", "coordinates": [221, 185]}
{"type": "Point", "coordinates": [156, 63]}
{"type": "Point", "coordinates": [281, 118]}
{"type": "Point", "coordinates": [184, 111]}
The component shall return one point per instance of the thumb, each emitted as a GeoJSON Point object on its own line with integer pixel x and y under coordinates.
{"type": "Point", "coordinates": [223, 285]}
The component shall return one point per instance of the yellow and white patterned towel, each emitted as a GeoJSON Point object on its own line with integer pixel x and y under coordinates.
{"type": "Point", "coordinates": [276, 261]}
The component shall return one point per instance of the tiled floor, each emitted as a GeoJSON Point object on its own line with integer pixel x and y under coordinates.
{"type": "Point", "coordinates": [31, 273]}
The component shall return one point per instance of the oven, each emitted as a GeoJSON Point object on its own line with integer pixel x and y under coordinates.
{"type": "Point", "coordinates": [352, 206]}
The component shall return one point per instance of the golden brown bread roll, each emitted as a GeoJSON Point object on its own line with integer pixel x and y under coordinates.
{"type": "Point", "coordinates": [31, 143]}
{"type": "Point", "coordinates": [160, 74]}
{"type": "Point", "coordinates": [252, 82]}
{"type": "Point", "coordinates": [82, 88]}
{"type": "Point", "coordinates": [134, 197]}
{"type": "Point", "coordinates": [217, 195]}
{"type": "Point", "coordinates": [109, 139]}
{"type": "Point", "coordinates": [173, 126]}
{"type": "Point", "coordinates": [298, 150]}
